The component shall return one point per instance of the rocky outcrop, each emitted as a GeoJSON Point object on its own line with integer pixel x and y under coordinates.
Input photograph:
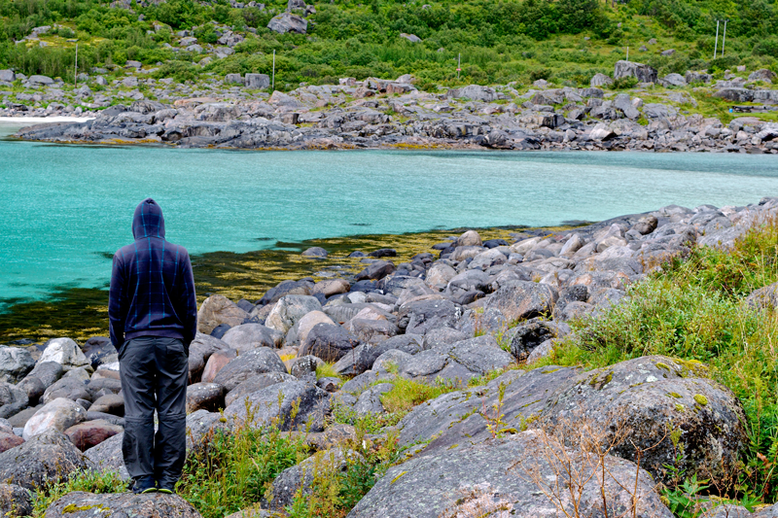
{"type": "Point", "coordinates": [643, 73]}
{"type": "Point", "coordinates": [48, 457]}
{"type": "Point", "coordinates": [82, 505]}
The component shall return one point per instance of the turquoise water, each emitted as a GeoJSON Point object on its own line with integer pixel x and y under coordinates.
{"type": "Point", "coordinates": [68, 208]}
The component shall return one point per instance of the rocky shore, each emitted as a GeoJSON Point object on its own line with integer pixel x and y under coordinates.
{"type": "Point", "coordinates": [233, 113]}
{"type": "Point", "coordinates": [459, 312]}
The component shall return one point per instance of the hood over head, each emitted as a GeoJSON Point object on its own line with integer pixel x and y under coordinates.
{"type": "Point", "coordinates": [148, 220]}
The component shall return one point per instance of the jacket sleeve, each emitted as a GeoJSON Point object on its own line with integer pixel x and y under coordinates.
{"type": "Point", "coordinates": [117, 305]}
{"type": "Point", "coordinates": [189, 301]}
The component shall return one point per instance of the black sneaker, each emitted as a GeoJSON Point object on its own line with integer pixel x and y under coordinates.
{"type": "Point", "coordinates": [144, 486]}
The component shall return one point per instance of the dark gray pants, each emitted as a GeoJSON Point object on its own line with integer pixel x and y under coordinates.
{"type": "Point", "coordinates": [154, 372]}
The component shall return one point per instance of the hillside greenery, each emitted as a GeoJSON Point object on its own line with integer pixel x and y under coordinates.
{"type": "Point", "coordinates": [566, 41]}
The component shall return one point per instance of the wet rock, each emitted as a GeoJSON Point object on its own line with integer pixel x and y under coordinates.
{"type": "Point", "coordinates": [91, 433]}
{"type": "Point", "coordinates": [218, 309]}
{"type": "Point", "coordinates": [206, 396]}
{"type": "Point", "coordinates": [80, 504]}
{"type": "Point", "coordinates": [509, 475]}
{"type": "Point", "coordinates": [311, 402]}
{"type": "Point", "coordinates": [244, 366]}
{"type": "Point", "coordinates": [15, 364]}
{"type": "Point", "coordinates": [47, 457]}
{"type": "Point", "coordinates": [58, 415]}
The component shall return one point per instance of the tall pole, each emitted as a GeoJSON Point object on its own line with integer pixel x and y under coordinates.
{"type": "Point", "coordinates": [75, 74]}
{"type": "Point", "coordinates": [724, 40]}
{"type": "Point", "coordinates": [716, 47]}
{"type": "Point", "coordinates": [274, 71]}
{"type": "Point", "coordinates": [627, 53]}
{"type": "Point", "coordinates": [459, 65]}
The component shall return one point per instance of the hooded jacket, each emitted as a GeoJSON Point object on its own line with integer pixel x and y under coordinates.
{"type": "Point", "coordinates": [152, 286]}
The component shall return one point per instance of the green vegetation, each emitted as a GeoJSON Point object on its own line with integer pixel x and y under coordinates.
{"type": "Point", "coordinates": [695, 310]}
{"type": "Point", "coordinates": [566, 41]}
{"type": "Point", "coordinates": [89, 481]}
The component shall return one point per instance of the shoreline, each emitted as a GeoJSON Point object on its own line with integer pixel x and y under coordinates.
{"type": "Point", "coordinates": [385, 114]}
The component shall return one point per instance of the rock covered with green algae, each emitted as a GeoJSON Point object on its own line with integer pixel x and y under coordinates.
{"type": "Point", "coordinates": [80, 504]}
{"type": "Point", "coordinates": [522, 475]}
{"type": "Point", "coordinates": [665, 407]}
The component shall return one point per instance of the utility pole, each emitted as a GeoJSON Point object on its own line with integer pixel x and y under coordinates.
{"type": "Point", "coordinates": [274, 71]}
{"type": "Point", "coordinates": [459, 65]}
{"type": "Point", "coordinates": [75, 74]}
{"type": "Point", "coordinates": [716, 47]}
{"type": "Point", "coordinates": [724, 40]}
{"type": "Point", "coordinates": [627, 53]}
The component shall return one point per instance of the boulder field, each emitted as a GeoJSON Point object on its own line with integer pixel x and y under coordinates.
{"type": "Point", "coordinates": [506, 447]}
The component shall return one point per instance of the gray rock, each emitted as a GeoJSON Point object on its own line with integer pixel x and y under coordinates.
{"type": "Point", "coordinates": [369, 402]}
{"type": "Point", "coordinates": [362, 357]}
{"type": "Point", "coordinates": [673, 80]}
{"type": "Point", "coordinates": [410, 37]}
{"type": "Point", "coordinates": [515, 475]}
{"type": "Point", "coordinates": [623, 102]}
{"type": "Point", "coordinates": [48, 457]}
{"type": "Point", "coordinates": [204, 396]}
{"type": "Point", "coordinates": [80, 504]}
{"type": "Point", "coordinates": [328, 342]}
{"type": "Point", "coordinates": [763, 74]}
{"type": "Point", "coordinates": [58, 415]}
{"type": "Point", "coordinates": [12, 400]}
{"type": "Point", "coordinates": [520, 300]}
{"type": "Point", "coordinates": [251, 336]}
{"type": "Point", "coordinates": [668, 52]}
{"type": "Point", "coordinates": [644, 398]}
{"type": "Point", "coordinates": [15, 500]}
{"type": "Point", "coordinates": [304, 366]}
{"type": "Point", "coordinates": [697, 77]}
{"type": "Point", "coordinates": [644, 73]}
{"type": "Point", "coordinates": [312, 405]}
{"type": "Point", "coordinates": [257, 81]}
{"type": "Point", "coordinates": [376, 270]}
{"type": "Point", "coordinates": [67, 387]}
{"type": "Point", "coordinates": [256, 383]}
{"type": "Point", "coordinates": [65, 352]}
{"type": "Point", "coordinates": [289, 310]}
{"type": "Point", "coordinates": [528, 336]}
{"type": "Point", "coordinates": [371, 331]}
{"type": "Point", "coordinates": [91, 433]}
{"type": "Point", "coordinates": [7, 75]}
{"type": "Point", "coordinates": [112, 404]}
{"type": "Point", "coordinates": [474, 92]}
{"type": "Point", "coordinates": [418, 317]}
{"type": "Point", "coordinates": [202, 424]}
{"type": "Point", "coordinates": [201, 348]}
{"type": "Point", "coordinates": [15, 364]}
{"type": "Point", "coordinates": [288, 22]}
{"type": "Point", "coordinates": [38, 80]}
{"type": "Point", "coordinates": [300, 478]}
{"type": "Point", "coordinates": [243, 367]}
{"type": "Point", "coordinates": [764, 298]}
{"type": "Point", "coordinates": [599, 80]}
{"type": "Point", "coordinates": [315, 251]}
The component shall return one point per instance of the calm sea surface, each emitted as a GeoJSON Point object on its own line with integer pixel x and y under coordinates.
{"type": "Point", "coordinates": [66, 209]}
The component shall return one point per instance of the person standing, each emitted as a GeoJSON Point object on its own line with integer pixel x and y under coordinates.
{"type": "Point", "coordinates": [152, 311]}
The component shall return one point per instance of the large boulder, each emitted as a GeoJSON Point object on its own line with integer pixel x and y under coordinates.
{"type": "Point", "coordinates": [764, 298]}
{"type": "Point", "coordinates": [48, 457]}
{"type": "Point", "coordinates": [255, 383]}
{"type": "Point", "coordinates": [250, 336]}
{"type": "Point", "coordinates": [520, 300]}
{"type": "Point", "coordinates": [58, 415]}
{"type": "Point", "coordinates": [244, 366]}
{"type": "Point", "coordinates": [289, 310]}
{"type": "Point", "coordinates": [660, 406]}
{"type": "Point", "coordinates": [623, 102]}
{"type": "Point", "coordinates": [644, 73]}
{"type": "Point", "coordinates": [80, 504]}
{"type": "Point", "coordinates": [600, 80]}
{"type": "Point", "coordinates": [288, 22]}
{"type": "Point", "coordinates": [216, 310]}
{"type": "Point", "coordinates": [207, 396]}
{"type": "Point", "coordinates": [527, 474]}
{"type": "Point", "coordinates": [15, 501]}
{"type": "Point", "coordinates": [65, 352]}
{"type": "Point", "coordinates": [376, 270]}
{"type": "Point", "coordinates": [107, 456]}
{"type": "Point", "coordinates": [673, 80]}
{"type": "Point", "coordinates": [328, 342]}
{"type": "Point", "coordinates": [69, 388]}
{"type": "Point", "coordinates": [275, 405]}
{"type": "Point", "coordinates": [15, 364]}
{"type": "Point", "coordinates": [9, 440]}
{"type": "Point", "coordinates": [300, 477]}
{"type": "Point", "coordinates": [474, 93]}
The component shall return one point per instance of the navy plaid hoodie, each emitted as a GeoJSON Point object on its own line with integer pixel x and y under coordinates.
{"type": "Point", "coordinates": [152, 286]}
